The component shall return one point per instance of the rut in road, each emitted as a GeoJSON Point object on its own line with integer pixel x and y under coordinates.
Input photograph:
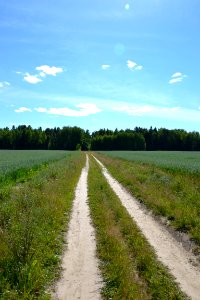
{"type": "Point", "coordinates": [168, 250]}
{"type": "Point", "coordinates": [81, 278]}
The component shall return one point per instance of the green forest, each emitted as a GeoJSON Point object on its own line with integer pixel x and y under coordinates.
{"type": "Point", "coordinates": [75, 138]}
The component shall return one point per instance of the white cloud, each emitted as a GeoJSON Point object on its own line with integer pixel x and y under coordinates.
{"type": "Point", "coordinates": [127, 6]}
{"type": "Point", "coordinates": [141, 110]}
{"type": "Point", "coordinates": [47, 70]}
{"type": "Point", "coordinates": [133, 65]}
{"type": "Point", "coordinates": [4, 84]}
{"type": "Point", "coordinates": [33, 79]}
{"type": "Point", "coordinates": [22, 109]}
{"type": "Point", "coordinates": [83, 110]}
{"type": "Point", "coordinates": [44, 71]}
{"type": "Point", "coordinates": [177, 74]}
{"type": "Point", "coordinates": [177, 77]}
{"type": "Point", "coordinates": [105, 67]}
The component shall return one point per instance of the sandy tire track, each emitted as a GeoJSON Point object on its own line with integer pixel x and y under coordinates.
{"type": "Point", "coordinates": [168, 250]}
{"type": "Point", "coordinates": [81, 277]}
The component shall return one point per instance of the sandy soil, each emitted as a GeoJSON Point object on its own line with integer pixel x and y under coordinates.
{"type": "Point", "coordinates": [80, 278]}
{"type": "Point", "coordinates": [171, 253]}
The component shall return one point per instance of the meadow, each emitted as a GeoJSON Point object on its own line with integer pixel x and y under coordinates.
{"type": "Point", "coordinates": [168, 183]}
{"type": "Point", "coordinates": [182, 160]}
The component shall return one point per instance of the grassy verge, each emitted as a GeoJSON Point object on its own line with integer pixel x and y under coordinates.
{"type": "Point", "coordinates": [128, 264]}
{"type": "Point", "coordinates": [170, 193]}
{"type": "Point", "coordinates": [33, 218]}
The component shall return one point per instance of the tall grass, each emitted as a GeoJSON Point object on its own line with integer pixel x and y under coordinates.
{"type": "Point", "coordinates": [33, 217]}
{"type": "Point", "coordinates": [128, 264]}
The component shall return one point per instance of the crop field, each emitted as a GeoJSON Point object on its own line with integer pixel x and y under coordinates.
{"type": "Point", "coordinates": [187, 161]}
{"type": "Point", "coordinates": [17, 163]}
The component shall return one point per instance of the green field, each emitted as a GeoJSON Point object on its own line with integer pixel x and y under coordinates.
{"type": "Point", "coordinates": [15, 164]}
{"type": "Point", "coordinates": [187, 161]}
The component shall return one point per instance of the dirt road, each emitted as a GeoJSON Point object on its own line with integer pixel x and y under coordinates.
{"type": "Point", "coordinates": [80, 278]}
{"type": "Point", "coordinates": [169, 251]}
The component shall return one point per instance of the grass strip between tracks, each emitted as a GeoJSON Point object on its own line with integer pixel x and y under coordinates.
{"type": "Point", "coordinates": [33, 219]}
{"type": "Point", "coordinates": [128, 263]}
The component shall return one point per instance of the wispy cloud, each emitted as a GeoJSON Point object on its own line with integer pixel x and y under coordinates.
{"type": "Point", "coordinates": [83, 110]}
{"type": "Point", "coordinates": [142, 110]}
{"type": "Point", "coordinates": [139, 68]}
{"type": "Point", "coordinates": [105, 67]}
{"type": "Point", "coordinates": [133, 65]}
{"type": "Point", "coordinates": [155, 113]}
{"type": "Point", "coordinates": [22, 109]}
{"type": "Point", "coordinates": [33, 79]}
{"type": "Point", "coordinates": [177, 77]}
{"type": "Point", "coordinates": [4, 84]}
{"type": "Point", "coordinates": [175, 80]}
{"type": "Point", "coordinates": [47, 70]}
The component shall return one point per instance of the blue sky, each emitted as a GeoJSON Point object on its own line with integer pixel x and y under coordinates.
{"type": "Point", "coordinates": [100, 64]}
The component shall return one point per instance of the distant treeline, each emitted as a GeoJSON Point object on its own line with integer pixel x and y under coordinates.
{"type": "Point", "coordinates": [75, 138]}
